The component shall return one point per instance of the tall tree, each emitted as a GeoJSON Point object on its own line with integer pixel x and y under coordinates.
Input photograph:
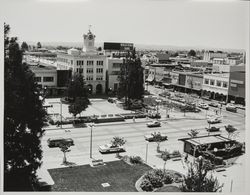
{"type": "Point", "coordinates": [24, 117]}
{"type": "Point", "coordinates": [197, 179]}
{"type": "Point", "coordinates": [192, 53]}
{"type": "Point", "coordinates": [131, 78]}
{"type": "Point", "coordinates": [38, 45]}
{"type": "Point", "coordinates": [24, 46]}
{"type": "Point", "coordinates": [78, 95]}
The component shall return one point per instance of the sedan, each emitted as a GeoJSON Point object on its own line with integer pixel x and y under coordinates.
{"type": "Point", "coordinates": [109, 148]}
{"type": "Point", "coordinates": [154, 124]}
{"type": "Point", "coordinates": [214, 120]}
{"type": "Point", "coordinates": [214, 104]}
{"type": "Point", "coordinates": [213, 129]}
{"type": "Point", "coordinates": [231, 108]}
{"type": "Point", "coordinates": [152, 138]}
{"type": "Point", "coordinates": [203, 106]}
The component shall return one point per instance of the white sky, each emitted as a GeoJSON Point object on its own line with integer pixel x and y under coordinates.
{"type": "Point", "coordinates": [161, 22]}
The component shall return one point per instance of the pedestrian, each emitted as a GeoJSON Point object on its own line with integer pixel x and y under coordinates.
{"type": "Point", "coordinates": [186, 158]}
{"type": "Point", "coordinates": [133, 118]}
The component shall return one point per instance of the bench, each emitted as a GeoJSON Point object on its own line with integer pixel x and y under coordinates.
{"type": "Point", "coordinates": [97, 162]}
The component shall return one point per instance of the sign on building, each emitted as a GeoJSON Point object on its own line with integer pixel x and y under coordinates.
{"type": "Point", "coordinates": [118, 46]}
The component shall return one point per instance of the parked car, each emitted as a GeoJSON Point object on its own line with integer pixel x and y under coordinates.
{"type": "Point", "coordinates": [203, 106]}
{"type": "Point", "coordinates": [151, 137]}
{"type": "Point", "coordinates": [57, 141]}
{"type": "Point", "coordinates": [111, 100]}
{"type": "Point", "coordinates": [109, 148]}
{"type": "Point", "coordinates": [214, 120]}
{"type": "Point", "coordinates": [240, 106]}
{"type": "Point", "coordinates": [154, 124]}
{"type": "Point", "coordinates": [231, 108]}
{"type": "Point", "coordinates": [214, 104]}
{"type": "Point", "coordinates": [213, 129]}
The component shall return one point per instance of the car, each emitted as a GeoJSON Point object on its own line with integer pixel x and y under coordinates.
{"type": "Point", "coordinates": [213, 129]}
{"type": "Point", "coordinates": [109, 148]}
{"type": "Point", "coordinates": [55, 142]}
{"type": "Point", "coordinates": [231, 108]}
{"type": "Point", "coordinates": [203, 106]}
{"type": "Point", "coordinates": [214, 120]}
{"type": "Point", "coordinates": [151, 138]}
{"type": "Point", "coordinates": [154, 124]}
{"type": "Point", "coordinates": [240, 106]}
{"type": "Point", "coordinates": [214, 104]}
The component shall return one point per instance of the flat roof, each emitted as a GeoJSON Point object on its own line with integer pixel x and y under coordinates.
{"type": "Point", "coordinates": [203, 140]}
{"type": "Point", "coordinates": [41, 67]}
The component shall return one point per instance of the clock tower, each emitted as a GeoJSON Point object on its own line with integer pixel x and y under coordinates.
{"type": "Point", "coordinates": [89, 42]}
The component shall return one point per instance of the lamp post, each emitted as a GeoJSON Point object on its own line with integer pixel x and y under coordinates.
{"type": "Point", "coordinates": [146, 158]}
{"type": "Point", "coordinates": [60, 109]}
{"type": "Point", "coordinates": [91, 135]}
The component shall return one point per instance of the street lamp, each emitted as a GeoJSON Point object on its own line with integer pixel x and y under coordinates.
{"type": "Point", "coordinates": [146, 158]}
{"type": "Point", "coordinates": [91, 125]}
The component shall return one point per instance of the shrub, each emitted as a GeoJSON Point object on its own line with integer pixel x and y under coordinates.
{"type": "Point", "coordinates": [168, 179]}
{"type": "Point", "coordinates": [146, 185]}
{"type": "Point", "coordinates": [176, 153]}
{"type": "Point", "coordinates": [155, 180]}
{"type": "Point", "coordinates": [135, 159]}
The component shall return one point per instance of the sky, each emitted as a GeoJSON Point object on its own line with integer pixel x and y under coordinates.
{"type": "Point", "coordinates": [217, 24]}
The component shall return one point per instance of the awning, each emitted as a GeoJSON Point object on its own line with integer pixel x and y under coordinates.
{"type": "Point", "coordinates": [159, 78]}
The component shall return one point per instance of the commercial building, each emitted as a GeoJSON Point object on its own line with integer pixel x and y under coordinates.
{"type": "Point", "coordinates": [87, 62]}
{"type": "Point", "coordinates": [237, 84]}
{"type": "Point", "coordinates": [215, 86]}
{"type": "Point", "coordinates": [210, 55]}
{"type": "Point", "coordinates": [113, 71]}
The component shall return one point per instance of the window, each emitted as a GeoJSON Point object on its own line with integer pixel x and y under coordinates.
{"type": "Point", "coordinates": [99, 78]}
{"type": "Point", "coordinates": [99, 70]}
{"type": "Point", "coordinates": [38, 79]}
{"type": "Point", "coordinates": [99, 63]}
{"type": "Point", "coordinates": [225, 84]}
{"type": "Point", "coordinates": [206, 81]}
{"type": "Point", "coordinates": [211, 82]}
{"type": "Point", "coordinates": [89, 63]}
{"type": "Point", "coordinates": [79, 62]}
{"type": "Point", "coordinates": [218, 83]}
{"type": "Point", "coordinates": [80, 70]}
{"type": "Point", "coordinates": [89, 78]}
{"type": "Point", "coordinates": [89, 70]}
{"type": "Point", "coordinates": [48, 79]}
{"type": "Point", "coordinates": [117, 65]}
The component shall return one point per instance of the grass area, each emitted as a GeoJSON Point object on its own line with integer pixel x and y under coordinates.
{"type": "Point", "coordinates": [120, 176]}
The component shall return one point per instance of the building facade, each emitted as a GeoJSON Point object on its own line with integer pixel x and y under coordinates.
{"type": "Point", "coordinates": [87, 62]}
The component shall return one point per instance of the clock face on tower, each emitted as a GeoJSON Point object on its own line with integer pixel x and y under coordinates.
{"type": "Point", "coordinates": [90, 37]}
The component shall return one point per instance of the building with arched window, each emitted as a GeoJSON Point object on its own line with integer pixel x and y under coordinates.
{"type": "Point", "coordinates": [87, 62]}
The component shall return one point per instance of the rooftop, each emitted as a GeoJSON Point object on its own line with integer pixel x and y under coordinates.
{"type": "Point", "coordinates": [41, 67]}
{"type": "Point", "coordinates": [203, 140]}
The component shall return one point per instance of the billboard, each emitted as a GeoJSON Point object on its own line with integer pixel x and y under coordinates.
{"type": "Point", "coordinates": [118, 46]}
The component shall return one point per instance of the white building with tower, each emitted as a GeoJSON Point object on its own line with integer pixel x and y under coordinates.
{"type": "Point", "coordinates": [87, 62]}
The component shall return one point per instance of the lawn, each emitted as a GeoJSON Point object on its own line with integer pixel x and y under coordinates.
{"type": "Point", "coordinates": [119, 175]}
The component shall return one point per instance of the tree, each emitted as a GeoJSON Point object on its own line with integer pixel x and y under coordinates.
{"type": "Point", "coordinates": [38, 45]}
{"type": "Point", "coordinates": [158, 138]}
{"type": "Point", "coordinates": [24, 46]}
{"type": "Point", "coordinates": [192, 53]}
{"type": "Point", "coordinates": [165, 156]}
{"type": "Point", "coordinates": [197, 179]}
{"type": "Point", "coordinates": [77, 95]}
{"type": "Point", "coordinates": [230, 130]}
{"type": "Point", "coordinates": [118, 141]}
{"type": "Point", "coordinates": [193, 133]}
{"type": "Point", "coordinates": [24, 117]}
{"type": "Point", "coordinates": [131, 79]}
{"type": "Point", "coordinates": [64, 146]}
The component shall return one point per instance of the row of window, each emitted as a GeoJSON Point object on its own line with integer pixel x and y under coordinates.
{"type": "Point", "coordinates": [98, 70]}
{"type": "Point", "coordinates": [90, 78]}
{"type": "Point", "coordinates": [45, 79]}
{"type": "Point", "coordinates": [117, 65]}
{"type": "Point", "coordinates": [218, 83]}
{"type": "Point", "coordinates": [89, 63]}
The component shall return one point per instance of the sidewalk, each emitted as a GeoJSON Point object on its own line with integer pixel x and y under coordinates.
{"type": "Point", "coordinates": [173, 116]}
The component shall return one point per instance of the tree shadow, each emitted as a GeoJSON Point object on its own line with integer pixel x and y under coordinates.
{"type": "Point", "coordinates": [70, 164]}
